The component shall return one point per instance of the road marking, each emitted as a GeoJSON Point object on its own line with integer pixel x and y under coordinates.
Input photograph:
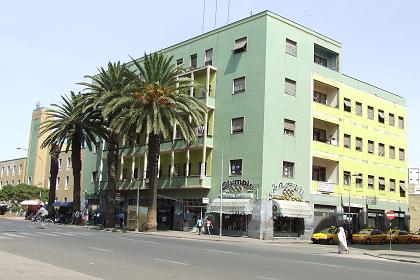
{"type": "Point", "coordinates": [100, 249]}
{"type": "Point", "coordinates": [169, 261]}
{"type": "Point", "coordinates": [63, 233]}
{"type": "Point", "coordinates": [46, 233]}
{"type": "Point", "coordinates": [13, 235]}
{"type": "Point", "coordinates": [4, 237]}
{"type": "Point", "coordinates": [220, 251]}
{"type": "Point", "coordinates": [138, 240]}
{"type": "Point", "coordinates": [324, 264]}
{"type": "Point", "coordinates": [266, 278]}
{"type": "Point", "coordinates": [82, 233]}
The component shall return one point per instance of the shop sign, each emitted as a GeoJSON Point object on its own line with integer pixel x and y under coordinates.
{"type": "Point", "coordinates": [237, 189]}
{"type": "Point", "coordinates": [287, 191]}
{"type": "Point", "coordinates": [325, 187]}
{"type": "Point", "coordinates": [371, 200]}
{"type": "Point", "coordinates": [205, 200]}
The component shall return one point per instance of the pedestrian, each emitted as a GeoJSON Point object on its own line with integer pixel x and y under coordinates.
{"type": "Point", "coordinates": [199, 225]}
{"type": "Point", "coordinates": [342, 241]}
{"type": "Point", "coordinates": [121, 218]}
{"type": "Point", "coordinates": [209, 226]}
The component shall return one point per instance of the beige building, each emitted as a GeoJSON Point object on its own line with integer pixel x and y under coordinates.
{"type": "Point", "coordinates": [64, 186]}
{"type": "Point", "coordinates": [12, 172]}
{"type": "Point", "coordinates": [414, 198]}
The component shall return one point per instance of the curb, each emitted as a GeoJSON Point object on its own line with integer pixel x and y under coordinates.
{"type": "Point", "coordinates": [391, 259]}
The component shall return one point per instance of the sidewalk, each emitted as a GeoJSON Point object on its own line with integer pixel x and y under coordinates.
{"type": "Point", "coordinates": [401, 256]}
{"type": "Point", "coordinates": [20, 268]}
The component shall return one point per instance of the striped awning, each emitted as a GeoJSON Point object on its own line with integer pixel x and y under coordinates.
{"type": "Point", "coordinates": [232, 206]}
{"type": "Point", "coordinates": [293, 209]}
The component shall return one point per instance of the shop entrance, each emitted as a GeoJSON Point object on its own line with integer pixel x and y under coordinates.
{"type": "Point", "coordinates": [287, 226]}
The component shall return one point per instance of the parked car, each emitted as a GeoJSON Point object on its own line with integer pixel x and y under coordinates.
{"type": "Point", "coordinates": [415, 237]}
{"type": "Point", "coordinates": [3, 208]}
{"type": "Point", "coordinates": [399, 236]}
{"type": "Point", "coordinates": [369, 236]}
{"type": "Point", "coordinates": [327, 235]}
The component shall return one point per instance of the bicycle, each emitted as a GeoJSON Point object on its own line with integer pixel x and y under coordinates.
{"type": "Point", "coordinates": [37, 221]}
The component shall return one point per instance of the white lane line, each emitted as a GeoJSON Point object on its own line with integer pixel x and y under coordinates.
{"type": "Point", "coordinates": [100, 249]}
{"type": "Point", "coordinates": [170, 261]}
{"type": "Point", "coordinates": [46, 233]}
{"type": "Point", "coordinates": [63, 233]}
{"type": "Point", "coordinates": [324, 264]}
{"type": "Point", "coordinates": [220, 251]}
{"type": "Point", "coordinates": [82, 233]}
{"type": "Point", "coordinates": [138, 240]}
{"type": "Point", "coordinates": [12, 235]}
{"type": "Point", "coordinates": [4, 237]}
{"type": "Point", "coordinates": [266, 278]}
{"type": "Point", "coordinates": [26, 233]}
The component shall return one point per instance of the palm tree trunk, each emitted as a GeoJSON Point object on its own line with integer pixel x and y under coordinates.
{"type": "Point", "coordinates": [152, 172]}
{"type": "Point", "coordinates": [77, 168]}
{"type": "Point", "coordinates": [112, 158]}
{"type": "Point", "coordinates": [55, 152]}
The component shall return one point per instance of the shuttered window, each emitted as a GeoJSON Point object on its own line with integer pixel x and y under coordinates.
{"type": "Point", "coordinates": [359, 144]}
{"type": "Point", "coordinates": [238, 125]}
{"type": "Point", "coordinates": [402, 154]}
{"type": "Point", "coordinates": [240, 45]}
{"type": "Point", "coordinates": [392, 185]}
{"type": "Point", "coordinates": [289, 127]}
{"type": "Point", "coordinates": [359, 108]}
{"type": "Point", "coordinates": [401, 122]}
{"type": "Point", "coordinates": [371, 148]}
{"type": "Point", "coordinates": [290, 87]}
{"type": "Point", "coordinates": [381, 150]}
{"type": "Point", "coordinates": [238, 85]}
{"type": "Point", "coordinates": [288, 169]}
{"type": "Point", "coordinates": [391, 119]}
{"type": "Point", "coordinates": [391, 152]}
{"type": "Point", "coordinates": [370, 113]}
{"type": "Point", "coordinates": [347, 178]}
{"type": "Point", "coordinates": [347, 141]}
{"type": "Point", "coordinates": [371, 182]}
{"type": "Point", "coordinates": [402, 188]}
{"type": "Point", "coordinates": [381, 183]}
{"type": "Point", "coordinates": [291, 47]}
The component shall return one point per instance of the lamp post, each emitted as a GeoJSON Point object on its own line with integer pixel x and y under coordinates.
{"type": "Point", "coordinates": [42, 163]}
{"type": "Point", "coordinates": [349, 190]}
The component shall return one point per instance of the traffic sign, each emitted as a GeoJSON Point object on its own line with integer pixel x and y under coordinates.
{"type": "Point", "coordinates": [390, 215]}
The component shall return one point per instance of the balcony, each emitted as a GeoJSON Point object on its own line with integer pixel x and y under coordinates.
{"type": "Point", "coordinates": [324, 174]}
{"type": "Point", "coordinates": [325, 94]}
{"type": "Point", "coordinates": [190, 182]}
{"type": "Point", "coordinates": [326, 58]}
{"type": "Point", "coordinates": [325, 132]}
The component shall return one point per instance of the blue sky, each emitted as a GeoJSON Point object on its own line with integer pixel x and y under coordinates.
{"type": "Point", "coordinates": [47, 46]}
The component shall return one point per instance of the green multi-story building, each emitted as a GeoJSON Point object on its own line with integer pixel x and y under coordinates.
{"type": "Point", "coordinates": [294, 143]}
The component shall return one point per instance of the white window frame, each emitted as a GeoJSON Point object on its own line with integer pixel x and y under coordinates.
{"type": "Point", "coordinates": [243, 125]}
{"type": "Point", "coordinates": [66, 183]}
{"type": "Point", "coordinates": [291, 47]}
{"type": "Point", "coordinates": [233, 85]}
{"type": "Point", "coordinates": [231, 162]}
{"type": "Point", "coordinates": [289, 131]}
{"type": "Point", "coordinates": [286, 172]}
{"type": "Point", "coordinates": [291, 83]}
{"type": "Point", "coordinates": [208, 61]}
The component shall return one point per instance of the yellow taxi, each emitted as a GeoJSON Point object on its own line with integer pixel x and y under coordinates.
{"type": "Point", "coordinates": [398, 236]}
{"type": "Point", "coordinates": [415, 237]}
{"type": "Point", "coordinates": [369, 236]}
{"type": "Point", "coordinates": [327, 235]}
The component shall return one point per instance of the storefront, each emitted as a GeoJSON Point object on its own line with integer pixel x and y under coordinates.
{"type": "Point", "coordinates": [324, 216]}
{"type": "Point", "coordinates": [289, 218]}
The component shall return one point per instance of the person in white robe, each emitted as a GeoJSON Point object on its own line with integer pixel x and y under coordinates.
{"type": "Point", "coordinates": [342, 241]}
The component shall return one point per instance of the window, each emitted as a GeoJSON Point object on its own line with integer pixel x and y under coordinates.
{"type": "Point", "coordinates": [402, 188]}
{"type": "Point", "coordinates": [14, 169]}
{"type": "Point", "coordinates": [347, 105]}
{"type": "Point", "coordinates": [391, 119]}
{"type": "Point", "coordinates": [65, 199]}
{"type": "Point", "coordinates": [391, 152]}
{"type": "Point", "coordinates": [2, 171]}
{"type": "Point", "coordinates": [8, 170]}
{"type": "Point", "coordinates": [347, 141]}
{"type": "Point", "coordinates": [347, 178]}
{"type": "Point", "coordinates": [359, 144]}
{"type": "Point", "coordinates": [238, 85]}
{"type": "Point", "coordinates": [20, 169]}
{"type": "Point", "coordinates": [320, 97]}
{"type": "Point", "coordinates": [319, 173]}
{"type": "Point", "coordinates": [238, 125]}
{"type": "Point", "coordinates": [371, 147]}
{"type": "Point", "coordinates": [319, 135]}
{"type": "Point", "coordinates": [291, 47]}
{"type": "Point", "coordinates": [371, 182]}
{"type": "Point", "coordinates": [68, 163]}
{"type": "Point", "coordinates": [193, 61]}
{"type": "Point", "coordinates": [289, 127]}
{"type": "Point", "coordinates": [290, 87]}
{"type": "Point", "coordinates": [370, 113]}
{"type": "Point", "coordinates": [359, 110]}
{"type": "Point", "coordinates": [320, 60]}
{"type": "Point", "coordinates": [402, 154]}
{"type": "Point", "coordinates": [392, 185]}
{"type": "Point", "coordinates": [95, 177]}
{"type": "Point", "coordinates": [18, 182]}
{"type": "Point", "coordinates": [381, 150]}
{"type": "Point", "coordinates": [236, 167]}
{"type": "Point", "coordinates": [60, 161]}
{"type": "Point", "coordinates": [240, 45]}
{"type": "Point", "coordinates": [381, 183]}
{"type": "Point", "coordinates": [179, 61]}
{"type": "Point", "coordinates": [401, 122]}
{"type": "Point", "coordinates": [288, 169]}
{"type": "Point", "coordinates": [66, 183]}
{"type": "Point", "coordinates": [208, 59]}
{"type": "Point", "coordinates": [359, 181]}
{"type": "Point", "coordinates": [29, 180]}
{"type": "Point", "coordinates": [57, 183]}
{"type": "Point", "coordinates": [381, 116]}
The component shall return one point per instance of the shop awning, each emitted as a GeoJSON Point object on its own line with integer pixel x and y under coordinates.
{"type": "Point", "coordinates": [63, 204]}
{"type": "Point", "coordinates": [293, 209]}
{"type": "Point", "coordinates": [232, 206]}
{"type": "Point", "coordinates": [31, 202]}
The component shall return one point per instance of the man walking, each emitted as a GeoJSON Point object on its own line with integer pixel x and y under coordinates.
{"type": "Point", "coordinates": [199, 225]}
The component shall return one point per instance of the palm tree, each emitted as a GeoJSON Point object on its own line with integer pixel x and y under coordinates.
{"type": "Point", "coordinates": [159, 101]}
{"type": "Point", "coordinates": [54, 154]}
{"type": "Point", "coordinates": [109, 84]}
{"type": "Point", "coordinates": [71, 124]}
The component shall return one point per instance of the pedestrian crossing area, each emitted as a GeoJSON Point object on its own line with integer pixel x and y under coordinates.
{"type": "Point", "coordinates": [16, 235]}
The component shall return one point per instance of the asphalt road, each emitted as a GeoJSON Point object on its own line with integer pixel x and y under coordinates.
{"type": "Point", "coordinates": [115, 255]}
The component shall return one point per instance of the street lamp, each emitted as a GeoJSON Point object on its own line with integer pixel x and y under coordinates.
{"type": "Point", "coordinates": [349, 190]}
{"type": "Point", "coordinates": [43, 167]}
